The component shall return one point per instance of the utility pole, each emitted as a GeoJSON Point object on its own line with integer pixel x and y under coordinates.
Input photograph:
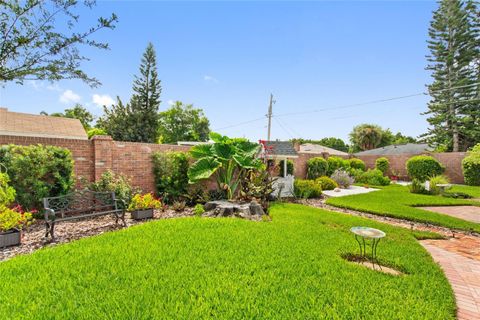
{"type": "Point", "coordinates": [269, 116]}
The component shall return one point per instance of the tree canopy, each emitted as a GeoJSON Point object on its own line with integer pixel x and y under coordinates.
{"type": "Point", "coordinates": [77, 112]}
{"type": "Point", "coordinates": [454, 61]}
{"type": "Point", "coordinates": [39, 40]}
{"type": "Point", "coordinates": [183, 123]}
{"type": "Point", "coordinates": [137, 120]}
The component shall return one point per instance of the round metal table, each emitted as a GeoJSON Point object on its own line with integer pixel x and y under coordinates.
{"type": "Point", "coordinates": [365, 233]}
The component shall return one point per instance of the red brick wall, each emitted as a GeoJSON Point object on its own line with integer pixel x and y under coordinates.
{"type": "Point", "coordinates": [93, 157]}
{"type": "Point", "coordinates": [82, 151]}
{"type": "Point", "coordinates": [451, 160]}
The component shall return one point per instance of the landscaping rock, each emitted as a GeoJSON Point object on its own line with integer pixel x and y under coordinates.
{"type": "Point", "coordinates": [224, 208]}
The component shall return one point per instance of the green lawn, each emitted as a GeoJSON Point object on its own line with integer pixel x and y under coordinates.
{"type": "Point", "coordinates": [198, 268]}
{"type": "Point", "coordinates": [396, 201]}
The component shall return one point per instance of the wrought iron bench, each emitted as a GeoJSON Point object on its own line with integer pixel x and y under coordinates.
{"type": "Point", "coordinates": [79, 205]}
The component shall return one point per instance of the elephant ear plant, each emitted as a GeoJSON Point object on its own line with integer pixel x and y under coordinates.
{"type": "Point", "coordinates": [226, 159]}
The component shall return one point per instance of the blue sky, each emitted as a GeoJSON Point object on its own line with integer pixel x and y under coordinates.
{"type": "Point", "coordinates": [227, 57]}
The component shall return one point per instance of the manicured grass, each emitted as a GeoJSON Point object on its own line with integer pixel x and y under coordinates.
{"type": "Point", "coordinates": [199, 268]}
{"type": "Point", "coordinates": [396, 201]}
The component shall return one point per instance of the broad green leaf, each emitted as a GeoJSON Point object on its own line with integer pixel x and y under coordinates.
{"type": "Point", "coordinates": [248, 148]}
{"type": "Point", "coordinates": [203, 169]}
{"type": "Point", "coordinates": [247, 162]}
{"type": "Point", "coordinates": [218, 138]}
{"type": "Point", "coordinates": [201, 150]}
{"type": "Point", "coordinates": [223, 151]}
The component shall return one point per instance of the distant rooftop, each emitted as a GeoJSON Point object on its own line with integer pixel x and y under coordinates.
{"type": "Point", "coordinates": [316, 148]}
{"type": "Point", "coordinates": [408, 148]}
{"type": "Point", "coordinates": [32, 125]}
{"type": "Point", "coordinates": [279, 149]}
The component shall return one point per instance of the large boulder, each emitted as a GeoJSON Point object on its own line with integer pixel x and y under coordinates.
{"type": "Point", "coordinates": [223, 208]}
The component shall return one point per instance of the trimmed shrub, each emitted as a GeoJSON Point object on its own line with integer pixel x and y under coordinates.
{"type": "Point", "coordinates": [170, 172]}
{"type": "Point", "coordinates": [471, 169]}
{"type": "Point", "coordinates": [373, 177]}
{"type": "Point", "coordinates": [306, 189]}
{"type": "Point", "coordinates": [37, 172]}
{"type": "Point", "coordinates": [316, 167]}
{"type": "Point", "coordinates": [423, 167]}
{"type": "Point", "coordinates": [382, 164]}
{"type": "Point", "coordinates": [357, 164]}
{"type": "Point", "coordinates": [326, 183]}
{"type": "Point", "coordinates": [7, 193]}
{"type": "Point", "coordinates": [118, 183]}
{"type": "Point", "coordinates": [289, 167]}
{"type": "Point", "coordinates": [335, 163]}
{"type": "Point", "coordinates": [342, 178]}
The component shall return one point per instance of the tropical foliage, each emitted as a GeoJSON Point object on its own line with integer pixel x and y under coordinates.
{"type": "Point", "coordinates": [227, 160]}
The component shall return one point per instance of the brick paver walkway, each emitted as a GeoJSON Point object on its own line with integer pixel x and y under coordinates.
{"type": "Point", "coordinates": [463, 273]}
{"type": "Point", "coordinates": [469, 213]}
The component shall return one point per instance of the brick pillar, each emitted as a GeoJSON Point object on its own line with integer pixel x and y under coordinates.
{"type": "Point", "coordinates": [102, 155]}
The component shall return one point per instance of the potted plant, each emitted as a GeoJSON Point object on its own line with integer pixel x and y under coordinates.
{"type": "Point", "coordinates": [142, 206]}
{"type": "Point", "coordinates": [12, 221]}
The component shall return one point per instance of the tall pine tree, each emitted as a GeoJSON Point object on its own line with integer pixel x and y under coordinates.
{"type": "Point", "coordinates": [137, 120]}
{"type": "Point", "coordinates": [453, 53]}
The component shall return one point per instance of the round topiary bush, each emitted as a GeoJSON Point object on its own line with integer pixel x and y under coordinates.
{"type": "Point", "coordinates": [357, 164]}
{"type": "Point", "coordinates": [382, 164]}
{"type": "Point", "coordinates": [373, 177]}
{"type": "Point", "coordinates": [306, 189]}
{"type": "Point", "coordinates": [326, 183]}
{"type": "Point", "coordinates": [423, 167]}
{"type": "Point", "coordinates": [471, 169]}
{"type": "Point", "coordinates": [336, 163]}
{"type": "Point", "coordinates": [316, 167]}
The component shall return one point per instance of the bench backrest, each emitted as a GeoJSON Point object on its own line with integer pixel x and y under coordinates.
{"type": "Point", "coordinates": [81, 202]}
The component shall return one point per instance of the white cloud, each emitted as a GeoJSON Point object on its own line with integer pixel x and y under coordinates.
{"type": "Point", "coordinates": [171, 102]}
{"type": "Point", "coordinates": [68, 96]}
{"type": "Point", "coordinates": [102, 100]}
{"type": "Point", "coordinates": [210, 78]}
{"type": "Point", "coordinates": [54, 87]}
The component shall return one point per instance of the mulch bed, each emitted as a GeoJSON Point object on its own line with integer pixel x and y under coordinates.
{"type": "Point", "coordinates": [33, 238]}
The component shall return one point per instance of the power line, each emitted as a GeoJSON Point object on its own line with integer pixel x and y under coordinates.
{"type": "Point", "coordinates": [354, 105]}
{"type": "Point", "coordinates": [284, 129]}
{"type": "Point", "coordinates": [240, 123]}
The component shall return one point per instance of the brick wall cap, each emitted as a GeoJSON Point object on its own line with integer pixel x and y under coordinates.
{"type": "Point", "coordinates": [102, 138]}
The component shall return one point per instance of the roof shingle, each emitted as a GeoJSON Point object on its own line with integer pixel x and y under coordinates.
{"type": "Point", "coordinates": [32, 125]}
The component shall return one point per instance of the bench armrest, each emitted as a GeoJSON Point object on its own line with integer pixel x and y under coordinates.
{"type": "Point", "coordinates": [49, 213]}
{"type": "Point", "coordinates": [124, 204]}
